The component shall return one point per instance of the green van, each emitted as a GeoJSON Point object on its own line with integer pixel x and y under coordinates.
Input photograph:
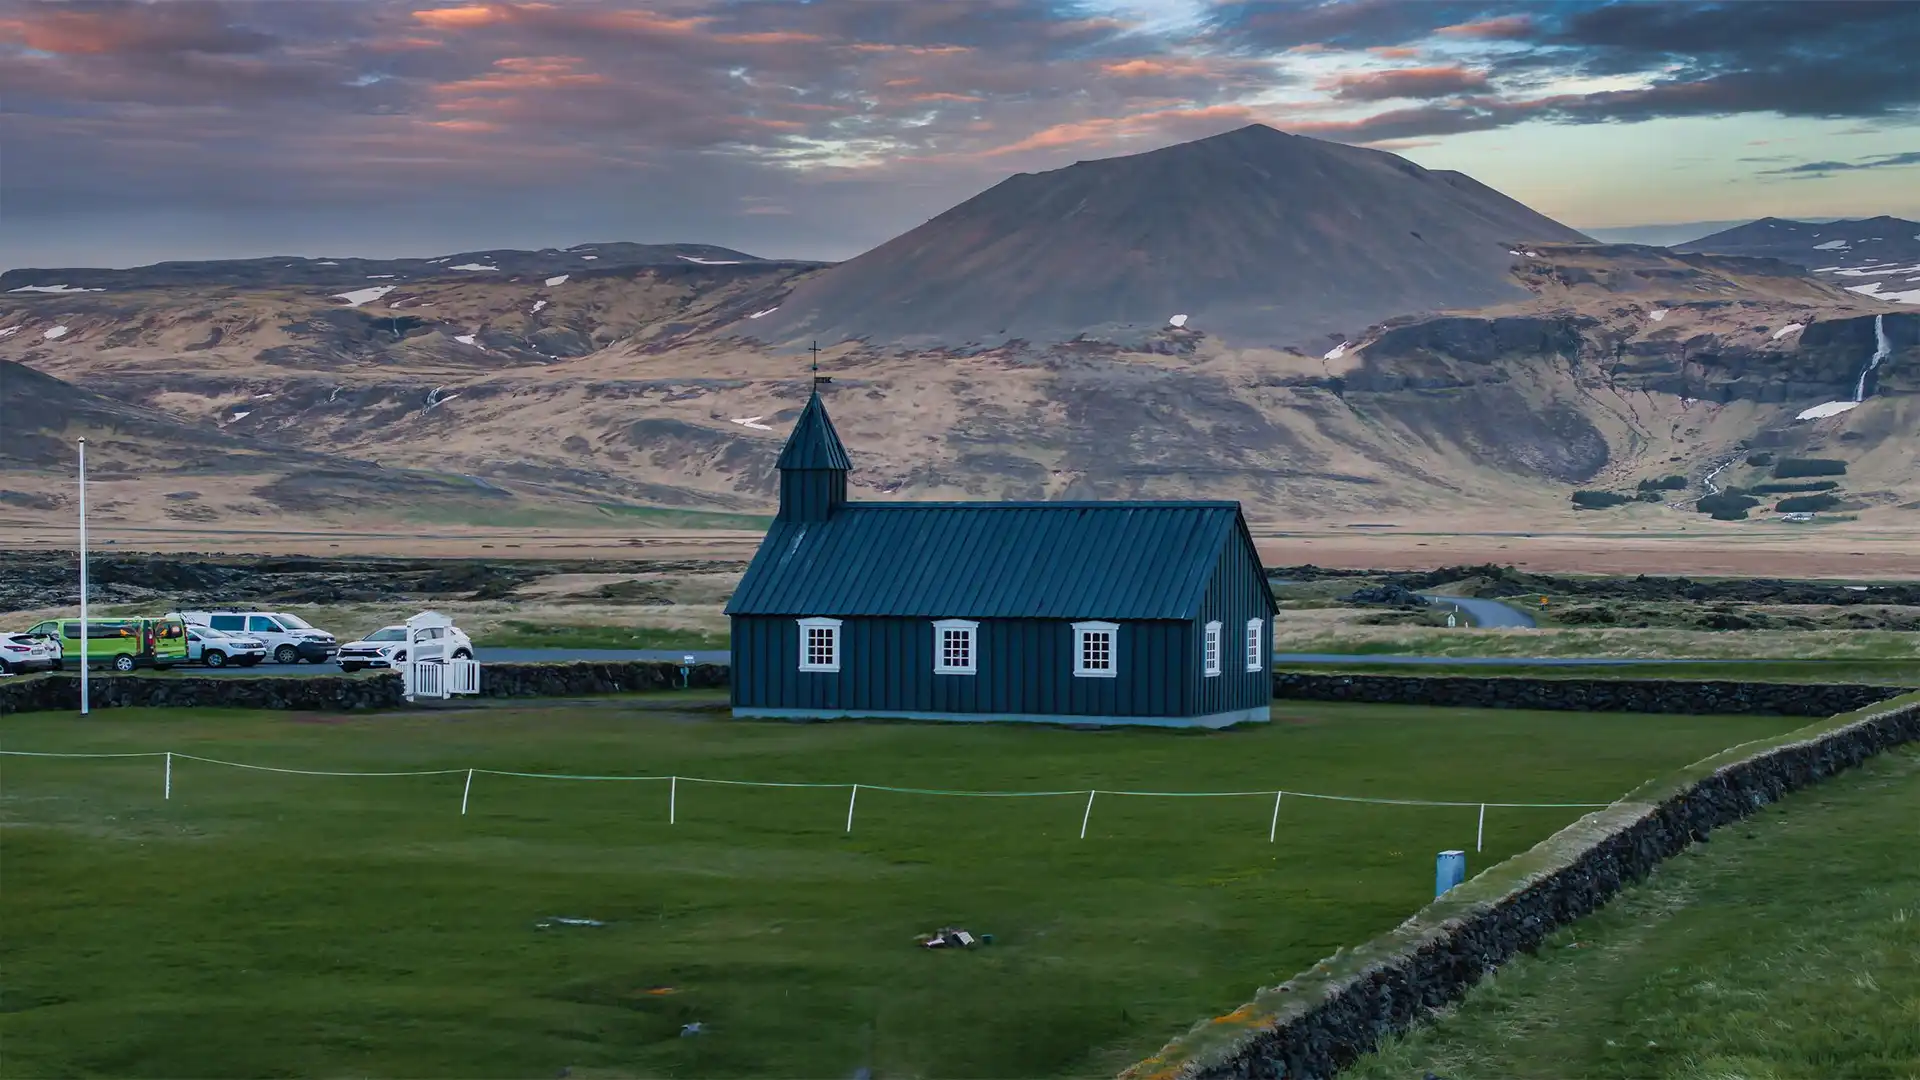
{"type": "Point", "coordinates": [124, 644]}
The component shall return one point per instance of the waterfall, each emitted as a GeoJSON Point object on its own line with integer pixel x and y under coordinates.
{"type": "Point", "coordinates": [1881, 349]}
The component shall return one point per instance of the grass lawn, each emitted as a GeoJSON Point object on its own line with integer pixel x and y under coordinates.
{"type": "Point", "coordinates": [1789, 947]}
{"type": "Point", "coordinates": [518, 634]}
{"type": "Point", "coordinates": [263, 924]}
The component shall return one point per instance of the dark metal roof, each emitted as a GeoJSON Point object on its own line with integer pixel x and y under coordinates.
{"type": "Point", "coordinates": [814, 444]}
{"type": "Point", "coordinates": [1048, 560]}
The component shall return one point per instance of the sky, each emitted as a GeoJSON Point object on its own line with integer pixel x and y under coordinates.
{"type": "Point", "coordinates": [133, 131]}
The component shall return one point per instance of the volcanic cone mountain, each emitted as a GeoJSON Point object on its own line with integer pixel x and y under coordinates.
{"type": "Point", "coordinates": [1257, 236]}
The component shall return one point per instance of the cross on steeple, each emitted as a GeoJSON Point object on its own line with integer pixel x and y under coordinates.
{"type": "Point", "coordinates": [815, 350]}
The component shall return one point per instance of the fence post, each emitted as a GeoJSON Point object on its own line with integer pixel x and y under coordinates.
{"type": "Point", "coordinates": [673, 799]}
{"type": "Point", "coordinates": [1088, 814]}
{"type": "Point", "coordinates": [1274, 825]}
{"type": "Point", "coordinates": [465, 793]}
{"type": "Point", "coordinates": [167, 792]}
{"type": "Point", "coordinates": [850, 798]}
{"type": "Point", "coordinates": [1480, 834]}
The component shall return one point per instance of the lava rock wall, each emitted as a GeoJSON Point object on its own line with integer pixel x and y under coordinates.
{"type": "Point", "coordinates": [1585, 695]}
{"type": "Point", "coordinates": [1326, 1018]}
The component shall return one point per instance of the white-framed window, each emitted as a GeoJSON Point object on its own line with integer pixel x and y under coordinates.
{"type": "Point", "coordinates": [1256, 648]}
{"type": "Point", "coordinates": [955, 647]}
{"type": "Point", "coordinates": [819, 644]}
{"type": "Point", "coordinates": [1213, 648]}
{"type": "Point", "coordinates": [1096, 649]}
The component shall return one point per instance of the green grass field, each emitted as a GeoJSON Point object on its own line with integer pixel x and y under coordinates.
{"type": "Point", "coordinates": [264, 924]}
{"type": "Point", "coordinates": [1789, 947]}
{"type": "Point", "coordinates": [521, 634]}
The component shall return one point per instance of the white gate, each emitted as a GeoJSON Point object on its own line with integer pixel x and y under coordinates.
{"type": "Point", "coordinates": [428, 672]}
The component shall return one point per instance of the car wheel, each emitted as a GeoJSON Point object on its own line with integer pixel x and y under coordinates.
{"type": "Point", "coordinates": [214, 658]}
{"type": "Point", "coordinates": [123, 662]}
{"type": "Point", "coordinates": [286, 654]}
{"type": "Point", "coordinates": [5, 668]}
{"type": "Point", "coordinates": [462, 654]}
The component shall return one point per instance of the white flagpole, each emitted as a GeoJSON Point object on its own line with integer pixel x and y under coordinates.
{"type": "Point", "coordinates": [85, 637]}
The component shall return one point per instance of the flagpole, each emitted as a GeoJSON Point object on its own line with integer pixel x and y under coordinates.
{"type": "Point", "coordinates": [85, 637]}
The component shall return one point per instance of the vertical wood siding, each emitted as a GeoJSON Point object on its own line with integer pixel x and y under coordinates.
{"type": "Point", "coordinates": [1024, 666]}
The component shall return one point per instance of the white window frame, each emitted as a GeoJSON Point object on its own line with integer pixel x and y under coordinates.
{"type": "Point", "coordinates": [1256, 645]}
{"type": "Point", "coordinates": [832, 626]}
{"type": "Point", "coordinates": [1081, 630]}
{"type": "Point", "coordinates": [1210, 650]}
{"type": "Point", "coordinates": [967, 627]}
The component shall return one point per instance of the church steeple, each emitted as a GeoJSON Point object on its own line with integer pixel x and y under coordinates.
{"type": "Point", "coordinates": [813, 467]}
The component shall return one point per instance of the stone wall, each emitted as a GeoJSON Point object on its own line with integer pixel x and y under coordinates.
{"type": "Point", "coordinates": [316, 693]}
{"type": "Point", "coordinates": [340, 693]}
{"type": "Point", "coordinates": [583, 678]}
{"type": "Point", "coordinates": [1326, 1018]}
{"type": "Point", "coordinates": [1585, 695]}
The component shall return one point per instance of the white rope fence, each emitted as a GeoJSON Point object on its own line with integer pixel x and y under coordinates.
{"type": "Point", "coordinates": [853, 795]}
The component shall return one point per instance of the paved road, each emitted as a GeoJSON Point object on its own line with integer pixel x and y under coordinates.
{"type": "Point", "coordinates": [1490, 613]}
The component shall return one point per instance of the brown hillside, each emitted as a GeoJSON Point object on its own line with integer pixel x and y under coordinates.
{"type": "Point", "coordinates": [1259, 237]}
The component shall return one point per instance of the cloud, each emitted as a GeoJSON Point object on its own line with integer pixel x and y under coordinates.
{"type": "Point", "coordinates": [1420, 82]}
{"type": "Point", "coordinates": [1503, 27]}
{"type": "Point", "coordinates": [1822, 168]}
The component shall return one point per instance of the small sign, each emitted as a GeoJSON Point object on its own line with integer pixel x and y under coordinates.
{"type": "Point", "coordinates": [1452, 621]}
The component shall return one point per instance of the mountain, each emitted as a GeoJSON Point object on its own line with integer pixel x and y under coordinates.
{"type": "Point", "coordinates": [293, 270]}
{"type": "Point", "coordinates": [1877, 257]}
{"type": "Point", "coordinates": [152, 466]}
{"type": "Point", "coordinates": [1658, 235]}
{"type": "Point", "coordinates": [1257, 236]}
{"type": "Point", "coordinates": [491, 400]}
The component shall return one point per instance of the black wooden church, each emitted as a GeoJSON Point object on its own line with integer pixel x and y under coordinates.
{"type": "Point", "coordinates": [1054, 612]}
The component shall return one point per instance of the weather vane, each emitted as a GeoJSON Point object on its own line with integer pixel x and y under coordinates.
{"type": "Point", "coordinates": [817, 379]}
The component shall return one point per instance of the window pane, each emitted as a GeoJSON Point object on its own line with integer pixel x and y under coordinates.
{"type": "Point", "coordinates": [1096, 650]}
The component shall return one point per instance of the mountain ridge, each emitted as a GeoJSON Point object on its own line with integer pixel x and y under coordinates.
{"type": "Point", "coordinates": [1255, 235]}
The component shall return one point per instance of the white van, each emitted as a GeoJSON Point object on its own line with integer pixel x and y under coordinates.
{"type": "Point", "coordinates": [289, 638]}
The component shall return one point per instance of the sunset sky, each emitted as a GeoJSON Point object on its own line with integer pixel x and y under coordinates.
{"type": "Point", "coordinates": [133, 132]}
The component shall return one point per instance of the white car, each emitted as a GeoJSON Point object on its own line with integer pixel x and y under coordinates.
{"type": "Point", "coordinates": [387, 646]}
{"type": "Point", "coordinates": [27, 652]}
{"type": "Point", "coordinates": [289, 638]}
{"type": "Point", "coordinates": [208, 646]}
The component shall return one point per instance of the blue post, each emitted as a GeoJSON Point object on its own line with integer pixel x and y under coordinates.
{"type": "Point", "coordinates": [1449, 870]}
{"type": "Point", "coordinates": [686, 671]}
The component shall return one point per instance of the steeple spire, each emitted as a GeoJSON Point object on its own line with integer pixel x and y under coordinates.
{"type": "Point", "coordinates": [813, 466]}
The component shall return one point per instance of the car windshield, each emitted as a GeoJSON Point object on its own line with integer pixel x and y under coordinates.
{"type": "Point", "coordinates": [294, 621]}
{"type": "Point", "coordinates": [391, 633]}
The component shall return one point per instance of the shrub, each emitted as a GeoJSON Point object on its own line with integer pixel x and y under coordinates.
{"type": "Point", "coordinates": [1665, 483]}
{"type": "Point", "coordinates": [1725, 507]}
{"type": "Point", "coordinates": [1651, 495]}
{"type": "Point", "coordinates": [1806, 504]}
{"type": "Point", "coordinates": [1598, 500]}
{"type": "Point", "coordinates": [1760, 460]}
{"type": "Point", "coordinates": [1790, 468]}
{"type": "Point", "coordinates": [1788, 489]}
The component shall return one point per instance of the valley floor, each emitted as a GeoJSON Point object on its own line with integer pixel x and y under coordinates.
{"type": "Point", "coordinates": [1697, 548]}
{"type": "Point", "coordinates": [1789, 947]}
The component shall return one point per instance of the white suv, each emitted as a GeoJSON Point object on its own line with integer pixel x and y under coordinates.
{"type": "Point", "coordinates": [387, 646]}
{"type": "Point", "coordinates": [208, 646]}
{"type": "Point", "coordinates": [289, 638]}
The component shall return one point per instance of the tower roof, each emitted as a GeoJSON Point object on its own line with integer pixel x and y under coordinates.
{"type": "Point", "coordinates": [814, 444]}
